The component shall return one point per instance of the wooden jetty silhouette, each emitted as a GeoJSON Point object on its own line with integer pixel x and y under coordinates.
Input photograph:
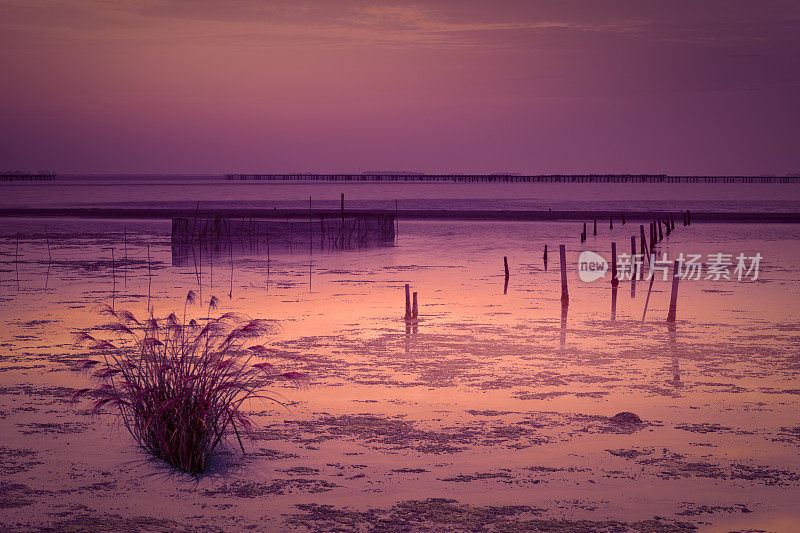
{"type": "Point", "coordinates": [25, 176]}
{"type": "Point", "coordinates": [516, 178]}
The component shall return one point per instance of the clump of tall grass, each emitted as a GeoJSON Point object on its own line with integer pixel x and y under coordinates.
{"type": "Point", "coordinates": [179, 386]}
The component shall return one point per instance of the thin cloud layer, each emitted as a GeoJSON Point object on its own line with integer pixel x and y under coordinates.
{"type": "Point", "coordinates": [681, 87]}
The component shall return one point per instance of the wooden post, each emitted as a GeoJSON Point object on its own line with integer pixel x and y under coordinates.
{"type": "Point", "coordinates": [647, 300]}
{"type": "Point", "coordinates": [125, 260]}
{"type": "Point", "coordinates": [194, 223]}
{"type": "Point", "coordinates": [614, 302]}
{"type": "Point", "coordinates": [505, 262]}
{"type": "Point", "coordinates": [47, 238]}
{"type": "Point", "coordinates": [660, 232]}
{"type": "Point", "coordinates": [16, 261]}
{"type": "Point", "coordinates": [595, 226]}
{"type": "Point", "coordinates": [342, 209]}
{"type": "Point", "coordinates": [634, 264]}
{"type": "Point", "coordinates": [652, 236]}
{"type": "Point", "coordinates": [611, 222]}
{"type": "Point", "coordinates": [623, 219]}
{"type": "Point", "coordinates": [643, 241]}
{"type": "Point", "coordinates": [149, 278]}
{"type": "Point", "coordinates": [562, 252]}
{"type": "Point", "coordinates": [408, 301]}
{"type": "Point", "coordinates": [544, 257]}
{"type": "Point", "coordinates": [688, 218]}
{"type": "Point", "coordinates": [230, 248]}
{"type": "Point", "coordinates": [414, 309]}
{"type": "Point", "coordinates": [673, 299]}
{"type": "Point", "coordinates": [614, 280]}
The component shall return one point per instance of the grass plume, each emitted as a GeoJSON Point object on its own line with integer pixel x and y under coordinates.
{"type": "Point", "coordinates": [180, 386]}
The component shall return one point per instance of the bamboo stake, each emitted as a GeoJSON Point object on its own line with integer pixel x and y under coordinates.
{"type": "Point", "coordinates": [113, 279]}
{"type": "Point", "coordinates": [230, 293]}
{"type": "Point", "coordinates": [47, 238]}
{"type": "Point", "coordinates": [16, 261]}
{"type": "Point", "coordinates": [614, 280]}
{"type": "Point", "coordinates": [408, 302]}
{"type": "Point", "coordinates": [562, 252]}
{"type": "Point", "coordinates": [614, 302]}
{"type": "Point", "coordinates": [149, 279]}
{"type": "Point", "coordinates": [643, 241]}
{"type": "Point", "coordinates": [673, 299]}
{"type": "Point", "coordinates": [647, 300]}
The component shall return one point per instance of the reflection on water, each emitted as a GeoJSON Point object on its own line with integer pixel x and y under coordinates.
{"type": "Point", "coordinates": [673, 351]}
{"type": "Point", "coordinates": [184, 191]}
{"type": "Point", "coordinates": [194, 240]}
{"type": "Point", "coordinates": [482, 388]}
{"type": "Point", "coordinates": [614, 302]}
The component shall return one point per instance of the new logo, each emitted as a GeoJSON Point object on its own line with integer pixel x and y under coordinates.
{"type": "Point", "coordinates": [591, 266]}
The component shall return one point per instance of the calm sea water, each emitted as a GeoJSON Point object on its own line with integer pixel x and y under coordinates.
{"type": "Point", "coordinates": [497, 396]}
{"type": "Point", "coordinates": [185, 191]}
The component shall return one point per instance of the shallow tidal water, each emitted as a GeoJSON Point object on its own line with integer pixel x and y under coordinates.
{"type": "Point", "coordinates": [491, 412]}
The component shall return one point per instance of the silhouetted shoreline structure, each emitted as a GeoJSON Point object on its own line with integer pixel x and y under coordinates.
{"type": "Point", "coordinates": [516, 178]}
{"type": "Point", "coordinates": [200, 237]}
{"type": "Point", "coordinates": [27, 176]}
{"type": "Point", "coordinates": [407, 214]}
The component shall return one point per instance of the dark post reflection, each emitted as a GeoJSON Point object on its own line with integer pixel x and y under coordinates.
{"type": "Point", "coordinates": [673, 350]}
{"type": "Point", "coordinates": [564, 309]}
{"type": "Point", "coordinates": [613, 303]}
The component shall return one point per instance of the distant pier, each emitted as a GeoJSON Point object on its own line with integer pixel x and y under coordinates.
{"type": "Point", "coordinates": [156, 213]}
{"type": "Point", "coordinates": [514, 178]}
{"type": "Point", "coordinates": [24, 176]}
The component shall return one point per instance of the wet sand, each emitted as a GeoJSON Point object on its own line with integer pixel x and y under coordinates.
{"type": "Point", "coordinates": [493, 411]}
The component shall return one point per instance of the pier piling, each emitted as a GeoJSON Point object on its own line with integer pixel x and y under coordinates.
{"type": "Point", "coordinates": [562, 252]}
{"type": "Point", "coordinates": [47, 238]}
{"type": "Point", "coordinates": [643, 241]}
{"type": "Point", "coordinates": [673, 298]}
{"type": "Point", "coordinates": [614, 280]}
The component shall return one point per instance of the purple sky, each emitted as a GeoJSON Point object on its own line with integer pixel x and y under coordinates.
{"type": "Point", "coordinates": [694, 87]}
